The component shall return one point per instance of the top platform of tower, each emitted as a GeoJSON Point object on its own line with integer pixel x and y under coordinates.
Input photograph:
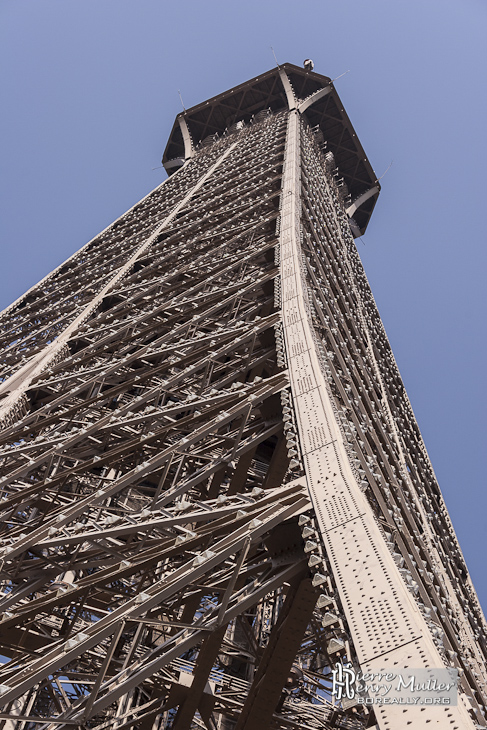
{"type": "Point", "coordinates": [285, 87]}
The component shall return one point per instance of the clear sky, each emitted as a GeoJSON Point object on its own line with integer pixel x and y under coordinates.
{"type": "Point", "coordinates": [89, 92]}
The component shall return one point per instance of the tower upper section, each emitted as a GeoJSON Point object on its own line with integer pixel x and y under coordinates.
{"type": "Point", "coordinates": [287, 86]}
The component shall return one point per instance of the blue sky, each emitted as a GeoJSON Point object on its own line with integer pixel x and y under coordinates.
{"type": "Point", "coordinates": [89, 92]}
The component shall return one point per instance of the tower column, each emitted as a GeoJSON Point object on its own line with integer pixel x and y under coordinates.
{"type": "Point", "coordinates": [385, 624]}
{"type": "Point", "coordinates": [13, 389]}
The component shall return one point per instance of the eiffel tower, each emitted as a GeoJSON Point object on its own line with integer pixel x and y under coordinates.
{"type": "Point", "coordinates": [214, 493]}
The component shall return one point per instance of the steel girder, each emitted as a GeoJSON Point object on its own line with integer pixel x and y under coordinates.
{"type": "Point", "coordinates": [163, 538]}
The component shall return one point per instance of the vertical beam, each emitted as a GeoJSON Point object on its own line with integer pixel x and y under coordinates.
{"type": "Point", "coordinates": [103, 670]}
{"type": "Point", "coordinates": [16, 386]}
{"type": "Point", "coordinates": [188, 142]}
{"type": "Point", "coordinates": [386, 626]}
{"type": "Point", "coordinates": [206, 658]}
{"type": "Point", "coordinates": [288, 89]}
{"type": "Point", "coordinates": [278, 658]}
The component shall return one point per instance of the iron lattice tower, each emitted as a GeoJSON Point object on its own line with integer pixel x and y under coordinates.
{"type": "Point", "coordinates": [213, 487]}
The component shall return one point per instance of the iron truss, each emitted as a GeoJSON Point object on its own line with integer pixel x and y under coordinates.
{"type": "Point", "coordinates": [166, 559]}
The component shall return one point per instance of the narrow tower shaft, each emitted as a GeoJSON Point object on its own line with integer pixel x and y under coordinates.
{"type": "Point", "coordinates": [214, 493]}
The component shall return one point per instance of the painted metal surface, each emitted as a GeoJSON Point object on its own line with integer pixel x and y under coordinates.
{"type": "Point", "coordinates": [207, 456]}
{"type": "Point", "coordinates": [385, 624]}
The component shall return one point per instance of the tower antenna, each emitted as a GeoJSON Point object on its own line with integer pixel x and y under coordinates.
{"type": "Point", "coordinates": [182, 103]}
{"type": "Point", "coordinates": [386, 171]}
{"type": "Point", "coordinates": [339, 77]}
